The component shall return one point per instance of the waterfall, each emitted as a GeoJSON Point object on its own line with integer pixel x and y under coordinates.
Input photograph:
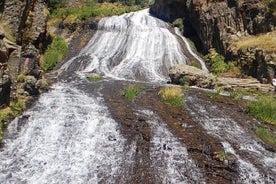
{"type": "Point", "coordinates": [133, 46]}
{"type": "Point", "coordinates": [78, 131]}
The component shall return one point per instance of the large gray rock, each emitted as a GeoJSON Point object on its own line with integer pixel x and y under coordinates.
{"type": "Point", "coordinates": [196, 77]}
{"type": "Point", "coordinates": [192, 76]}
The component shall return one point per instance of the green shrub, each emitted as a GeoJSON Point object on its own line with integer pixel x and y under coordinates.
{"type": "Point", "coordinates": [18, 106]}
{"type": "Point", "coordinates": [263, 109]}
{"type": "Point", "coordinates": [131, 91]}
{"type": "Point", "coordinates": [216, 62]}
{"type": "Point", "coordinates": [178, 23]}
{"type": "Point", "coordinates": [21, 78]}
{"type": "Point", "coordinates": [182, 81]}
{"type": "Point", "coordinates": [54, 53]}
{"type": "Point", "coordinates": [172, 96]}
{"type": "Point", "coordinates": [266, 135]}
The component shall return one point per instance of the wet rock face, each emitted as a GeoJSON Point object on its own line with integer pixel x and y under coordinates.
{"type": "Point", "coordinates": [21, 41]}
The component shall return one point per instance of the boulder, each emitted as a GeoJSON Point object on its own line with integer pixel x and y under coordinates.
{"type": "Point", "coordinates": [192, 76]}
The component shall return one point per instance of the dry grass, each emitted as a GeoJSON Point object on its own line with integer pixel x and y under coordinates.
{"type": "Point", "coordinates": [172, 95]}
{"type": "Point", "coordinates": [4, 27]}
{"type": "Point", "coordinates": [265, 41]}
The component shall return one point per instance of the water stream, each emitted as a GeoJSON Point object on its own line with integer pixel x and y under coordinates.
{"type": "Point", "coordinates": [70, 136]}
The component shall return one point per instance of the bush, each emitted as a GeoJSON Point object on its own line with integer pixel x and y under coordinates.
{"type": "Point", "coordinates": [172, 96]}
{"type": "Point", "coordinates": [131, 91]}
{"type": "Point", "coordinates": [54, 53]}
{"type": "Point", "coordinates": [263, 109]}
{"type": "Point", "coordinates": [216, 62]}
{"type": "Point", "coordinates": [266, 135]}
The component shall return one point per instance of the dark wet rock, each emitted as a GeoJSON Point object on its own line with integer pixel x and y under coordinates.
{"type": "Point", "coordinates": [30, 85]}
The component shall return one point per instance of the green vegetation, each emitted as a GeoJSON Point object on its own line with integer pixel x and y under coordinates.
{"type": "Point", "coordinates": [91, 10]}
{"type": "Point", "coordinates": [263, 109]}
{"type": "Point", "coordinates": [222, 155]}
{"type": "Point", "coordinates": [214, 95]}
{"type": "Point", "coordinates": [182, 81]}
{"type": "Point", "coordinates": [18, 106]}
{"type": "Point", "coordinates": [178, 23]}
{"type": "Point", "coordinates": [216, 61]}
{"type": "Point", "coordinates": [266, 135]}
{"type": "Point", "coordinates": [54, 53]}
{"type": "Point", "coordinates": [172, 96]}
{"type": "Point", "coordinates": [21, 77]}
{"type": "Point", "coordinates": [236, 94]}
{"type": "Point", "coordinates": [95, 78]}
{"type": "Point", "coordinates": [196, 64]}
{"type": "Point", "coordinates": [13, 110]}
{"type": "Point", "coordinates": [131, 91]}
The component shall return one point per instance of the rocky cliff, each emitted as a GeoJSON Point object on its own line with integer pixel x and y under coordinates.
{"type": "Point", "coordinates": [22, 32]}
{"type": "Point", "coordinates": [217, 24]}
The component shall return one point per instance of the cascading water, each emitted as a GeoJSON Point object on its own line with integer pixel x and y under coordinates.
{"type": "Point", "coordinates": [134, 46]}
{"type": "Point", "coordinates": [71, 136]}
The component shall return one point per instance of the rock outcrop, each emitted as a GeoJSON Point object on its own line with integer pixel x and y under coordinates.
{"type": "Point", "coordinates": [217, 24]}
{"type": "Point", "coordinates": [22, 32]}
{"type": "Point", "coordinates": [193, 76]}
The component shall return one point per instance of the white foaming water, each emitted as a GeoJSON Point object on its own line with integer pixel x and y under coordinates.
{"type": "Point", "coordinates": [169, 156]}
{"type": "Point", "coordinates": [69, 138]}
{"type": "Point", "coordinates": [256, 164]}
{"type": "Point", "coordinates": [201, 61]}
{"type": "Point", "coordinates": [133, 46]}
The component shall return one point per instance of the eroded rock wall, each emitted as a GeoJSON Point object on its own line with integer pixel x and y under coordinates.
{"type": "Point", "coordinates": [22, 32]}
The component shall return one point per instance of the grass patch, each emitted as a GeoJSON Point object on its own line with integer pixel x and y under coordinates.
{"type": "Point", "coordinates": [265, 41]}
{"type": "Point", "coordinates": [264, 109]}
{"type": "Point", "coordinates": [131, 91]}
{"type": "Point", "coordinates": [266, 135]}
{"type": "Point", "coordinates": [4, 27]}
{"type": "Point", "coordinates": [196, 64]}
{"type": "Point", "coordinates": [54, 53]}
{"type": "Point", "coordinates": [172, 96]}
{"type": "Point", "coordinates": [215, 95]}
{"type": "Point", "coordinates": [95, 78]}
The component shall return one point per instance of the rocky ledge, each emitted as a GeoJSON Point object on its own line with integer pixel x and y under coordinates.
{"type": "Point", "coordinates": [193, 76]}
